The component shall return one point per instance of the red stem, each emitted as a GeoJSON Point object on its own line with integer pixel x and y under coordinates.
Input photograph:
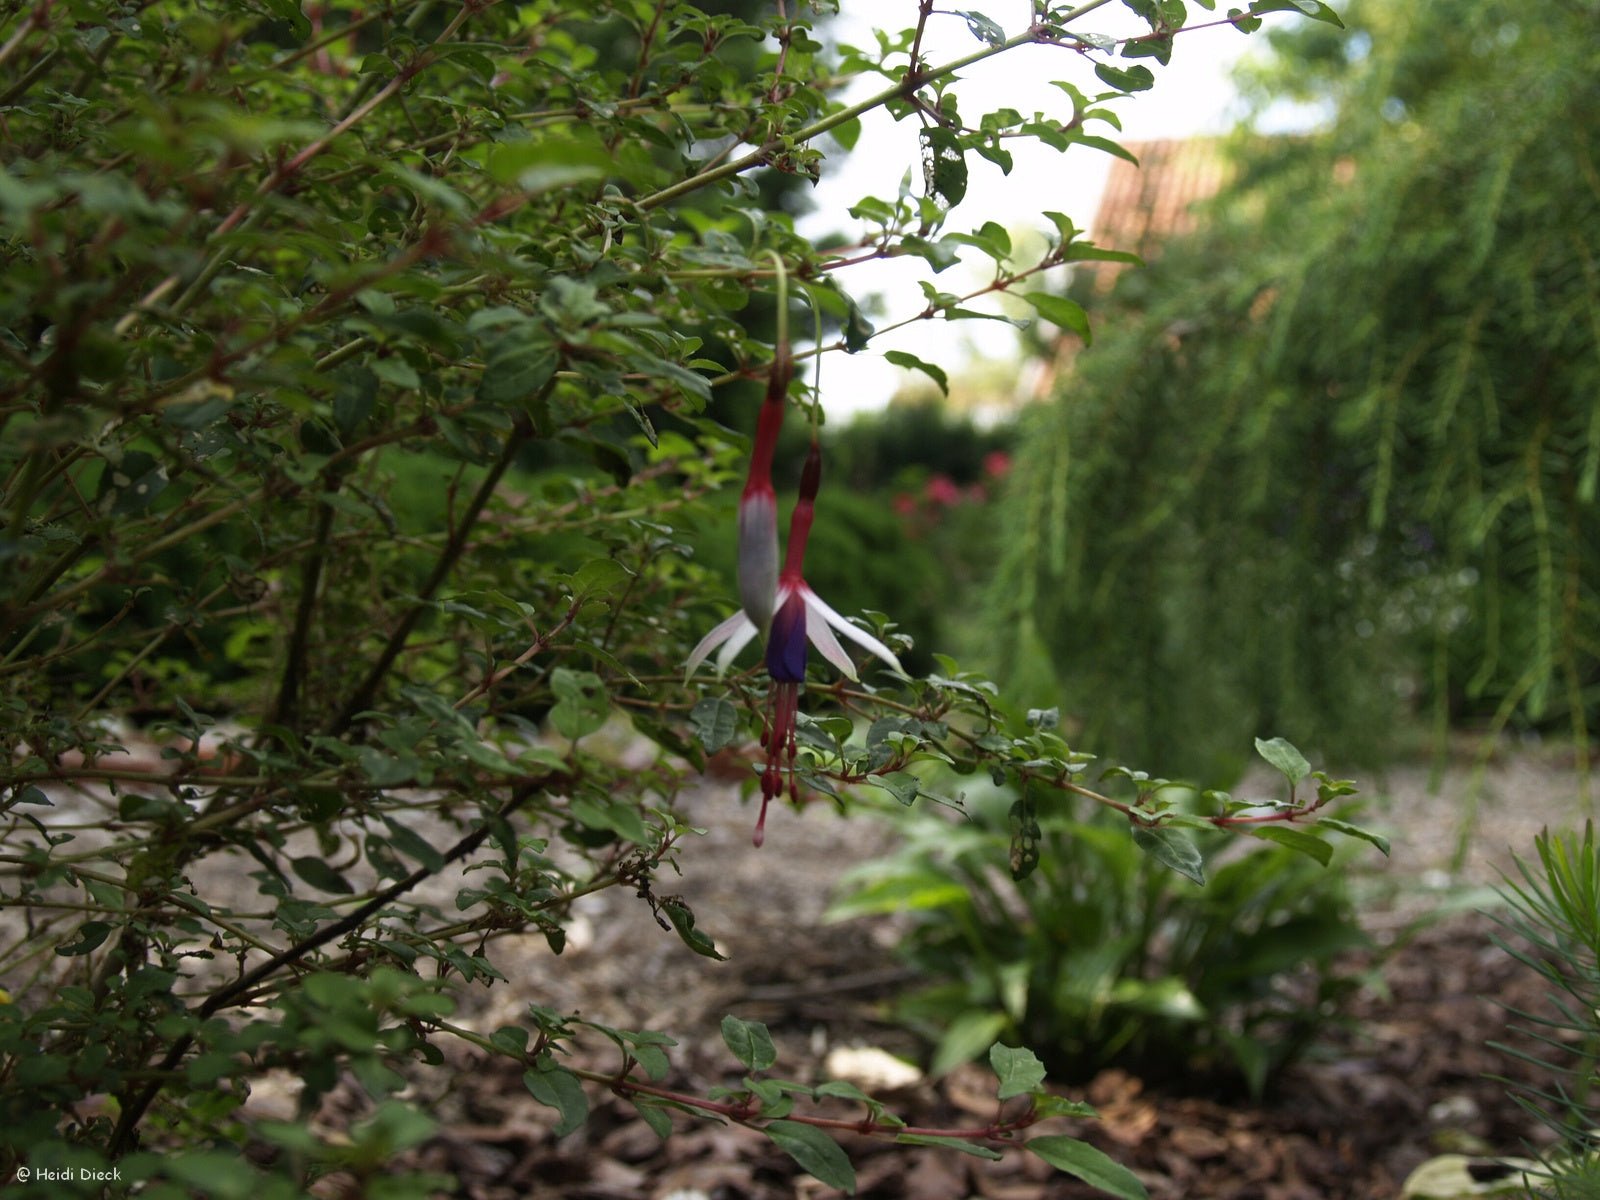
{"type": "Point", "coordinates": [746, 1112]}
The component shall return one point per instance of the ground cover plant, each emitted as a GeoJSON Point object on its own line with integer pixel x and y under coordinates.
{"type": "Point", "coordinates": [356, 370]}
{"type": "Point", "coordinates": [1100, 954]}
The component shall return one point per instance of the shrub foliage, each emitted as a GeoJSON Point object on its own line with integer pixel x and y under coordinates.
{"type": "Point", "coordinates": [304, 644]}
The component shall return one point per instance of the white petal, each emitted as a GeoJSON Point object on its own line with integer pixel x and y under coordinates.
{"type": "Point", "coordinates": [822, 638]}
{"type": "Point", "coordinates": [860, 636]}
{"type": "Point", "coordinates": [730, 650]}
{"type": "Point", "coordinates": [722, 633]}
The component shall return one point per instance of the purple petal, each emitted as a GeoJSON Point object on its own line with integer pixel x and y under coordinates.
{"type": "Point", "coordinates": [786, 642]}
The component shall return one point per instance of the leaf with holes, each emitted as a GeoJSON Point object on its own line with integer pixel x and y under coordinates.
{"type": "Point", "coordinates": [944, 169]}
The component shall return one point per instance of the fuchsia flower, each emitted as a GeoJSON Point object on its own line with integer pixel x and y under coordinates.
{"type": "Point", "coordinates": [800, 616]}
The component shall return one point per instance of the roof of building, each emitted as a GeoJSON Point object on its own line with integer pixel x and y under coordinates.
{"type": "Point", "coordinates": [1144, 205]}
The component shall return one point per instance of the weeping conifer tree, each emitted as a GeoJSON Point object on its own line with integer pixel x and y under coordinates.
{"type": "Point", "coordinates": [1334, 458]}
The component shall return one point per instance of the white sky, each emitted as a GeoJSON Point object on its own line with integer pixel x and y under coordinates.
{"type": "Point", "coordinates": [1192, 95]}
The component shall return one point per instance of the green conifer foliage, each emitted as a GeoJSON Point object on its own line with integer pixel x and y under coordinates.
{"type": "Point", "coordinates": [1339, 455]}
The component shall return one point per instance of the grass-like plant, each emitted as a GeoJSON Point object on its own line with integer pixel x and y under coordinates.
{"type": "Point", "coordinates": [1552, 920]}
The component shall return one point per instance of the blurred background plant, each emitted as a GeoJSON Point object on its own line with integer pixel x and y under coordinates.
{"type": "Point", "coordinates": [1104, 955]}
{"type": "Point", "coordinates": [1330, 466]}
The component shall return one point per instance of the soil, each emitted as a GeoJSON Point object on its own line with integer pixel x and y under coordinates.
{"type": "Point", "coordinates": [1406, 1078]}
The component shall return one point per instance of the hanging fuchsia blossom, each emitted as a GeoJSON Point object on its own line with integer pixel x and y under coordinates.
{"type": "Point", "coordinates": [758, 505]}
{"type": "Point", "coordinates": [809, 613]}
{"type": "Point", "coordinates": [801, 616]}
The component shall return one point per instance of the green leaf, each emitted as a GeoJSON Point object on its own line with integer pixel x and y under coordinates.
{"type": "Point", "coordinates": [1282, 754]}
{"type": "Point", "coordinates": [618, 815]}
{"type": "Point", "coordinates": [976, 1149]}
{"type": "Point", "coordinates": [487, 756]}
{"type": "Point", "coordinates": [1019, 1069]}
{"type": "Point", "coordinates": [1089, 252]}
{"type": "Point", "coordinates": [857, 329]}
{"type": "Point", "coordinates": [653, 1115]}
{"type": "Point", "coordinates": [941, 255]}
{"type": "Point", "coordinates": [130, 485]}
{"type": "Point", "coordinates": [1088, 1164]}
{"type": "Point", "coordinates": [816, 1152]}
{"type": "Point", "coordinates": [1129, 79]}
{"type": "Point", "coordinates": [716, 722]}
{"type": "Point", "coordinates": [982, 28]}
{"type": "Point", "coordinates": [1314, 9]}
{"type": "Point", "coordinates": [1355, 831]}
{"type": "Point", "coordinates": [1025, 835]}
{"type": "Point", "coordinates": [1047, 1105]}
{"type": "Point", "coordinates": [1172, 849]}
{"type": "Point", "coordinates": [1158, 48]}
{"type": "Point", "coordinates": [773, 1095]}
{"type": "Point", "coordinates": [520, 363]}
{"type": "Point", "coordinates": [582, 704]}
{"type": "Point", "coordinates": [912, 889]}
{"type": "Point", "coordinates": [541, 164]}
{"type": "Point", "coordinates": [691, 383]}
{"type": "Point", "coordinates": [683, 923]}
{"type": "Point", "coordinates": [599, 578]}
{"type": "Point", "coordinates": [902, 785]}
{"type": "Point", "coordinates": [385, 770]}
{"type": "Point", "coordinates": [412, 844]}
{"type": "Point", "coordinates": [1331, 789]}
{"type": "Point", "coordinates": [289, 11]}
{"type": "Point", "coordinates": [1115, 149]}
{"type": "Point", "coordinates": [1167, 997]}
{"type": "Point", "coordinates": [91, 935]}
{"type": "Point", "coordinates": [1299, 840]}
{"type": "Point", "coordinates": [750, 1042]}
{"type": "Point", "coordinates": [320, 875]}
{"type": "Point", "coordinates": [1066, 313]}
{"type": "Point", "coordinates": [559, 1088]}
{"type": "Point", "coordinates": [214, 1173]}
{"type": "Point", "coordinates": [911, 362]}
{"type": "Point", "coordinates": [965, 1037]}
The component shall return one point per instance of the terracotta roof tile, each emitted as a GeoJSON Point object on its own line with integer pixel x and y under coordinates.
{"type": "Point", "coordinates": [1143, 206]}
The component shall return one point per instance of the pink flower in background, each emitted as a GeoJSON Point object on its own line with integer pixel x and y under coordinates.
{"type": "Point", "coordinates": [996, 464]}
{"type": "Point", "coordinates": [941, 489]}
